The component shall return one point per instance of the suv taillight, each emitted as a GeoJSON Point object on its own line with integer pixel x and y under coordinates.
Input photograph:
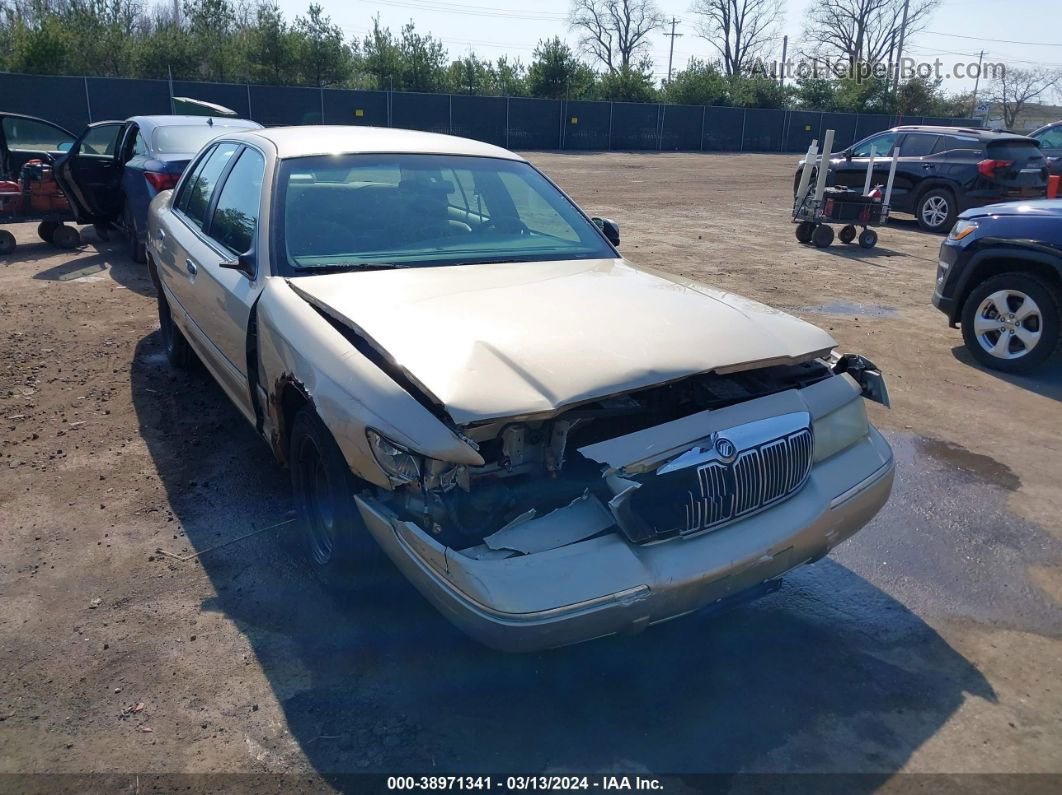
{"type": "Point", "coordinates": [988, 167]}
{"type": "Point", "coordinates": [161, 180]}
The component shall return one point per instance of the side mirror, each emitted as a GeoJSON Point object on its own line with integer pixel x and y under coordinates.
{"type": "Point", "coordinates": [609, 228]}
{"type": "Point", "coordinates": [847, 154]}
{"type": "Point", "coordinates": [245, 264]}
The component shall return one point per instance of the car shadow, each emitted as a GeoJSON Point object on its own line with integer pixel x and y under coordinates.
{"type": "Point", "coordinates": [829, 674]}
{"type": "Point", "coordinates": [1046, 381]}
{"type": "Point", "coordinates": [94, 256]}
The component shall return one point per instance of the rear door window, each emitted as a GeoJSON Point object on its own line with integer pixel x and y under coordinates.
{"type": "Point", "coordinates": [917, 144]}
{"type": "Point", "coordinates": [197, 202]}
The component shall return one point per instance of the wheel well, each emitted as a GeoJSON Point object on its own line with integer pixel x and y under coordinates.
{"type": "Point", "coordinates": [994, 266]}
{"type": "Point", "coordinates": [944, 186]}
{"type": "Point", "coordinates": [288, 398]}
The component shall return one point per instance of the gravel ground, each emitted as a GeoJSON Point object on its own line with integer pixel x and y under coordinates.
{"type": "Point", "coordinates": [927, 643]}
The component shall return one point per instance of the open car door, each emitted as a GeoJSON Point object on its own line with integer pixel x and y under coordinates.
{"type": "Point", "coordinates": [24, 138]}
{"type": "Point", "coordinates": [90, 175]}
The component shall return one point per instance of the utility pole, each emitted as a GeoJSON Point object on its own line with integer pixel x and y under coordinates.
{"type": "Point", "coordinates": [977, 83]}
{"type": "Point", "coordinates": [671, 53]}
{"type": "Point", "coordinates": [781, 69]}
{"type": "Point", "coordinates": [899, 49]}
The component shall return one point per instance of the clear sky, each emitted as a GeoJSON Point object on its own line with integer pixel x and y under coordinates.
{"type": "Point", "coordinates": [1014, 32]}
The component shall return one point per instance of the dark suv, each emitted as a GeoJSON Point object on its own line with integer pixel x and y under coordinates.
{"type": "Point", "coordinates": [944, 170]}
{"type": "Point", "coordinates": [999, 274]}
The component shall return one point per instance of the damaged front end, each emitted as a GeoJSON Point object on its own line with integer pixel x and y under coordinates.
{"type": "Point", "coordinates": [547, 482]}
{"type": "Point", "coordinates": [625, 511]}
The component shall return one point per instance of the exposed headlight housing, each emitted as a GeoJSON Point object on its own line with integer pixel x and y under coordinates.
{"type": "Point", "coordinates": [962, 228]}
{"type": "Point", "coordinates": [840, 429]}
{"type": "Point", "coordinates": [400, 465]}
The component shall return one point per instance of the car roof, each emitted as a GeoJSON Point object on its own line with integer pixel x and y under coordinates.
{"type": "Point", "coordinates": [981, 133]}
{"type": "Point", "coordinates": [1046, 127]}
{"type": "Point", "coordinates": [334, 139]}
{"type": "Point", "coordinates": [149, 122]}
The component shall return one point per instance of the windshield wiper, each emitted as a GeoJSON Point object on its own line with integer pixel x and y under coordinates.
{"type": "Point", "coordinates": [339, 267]}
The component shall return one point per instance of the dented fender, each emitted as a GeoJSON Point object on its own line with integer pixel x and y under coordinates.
{"type": "Point", "coordinates": [298, 347]}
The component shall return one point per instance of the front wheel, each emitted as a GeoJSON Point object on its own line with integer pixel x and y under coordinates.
{"type": "Point", "coordinates": [936, 210]}
{"type": "Point", "coordinates": [340, 549]}
{"type": "Point", "coordinates": [1011, 322]}
{"type": "Point", "coordinates": [804, 230]}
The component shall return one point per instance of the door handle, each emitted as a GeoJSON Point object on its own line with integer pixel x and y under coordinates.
{"type": "Point", "coordinates": [190, 267]}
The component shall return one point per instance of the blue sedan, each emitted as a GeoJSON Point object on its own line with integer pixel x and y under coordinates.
{"type": "Point", "coordinates": [115, 168]}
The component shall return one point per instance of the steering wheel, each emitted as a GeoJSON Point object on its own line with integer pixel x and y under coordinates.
{"type": "Point", "coordinates": [505, 224]}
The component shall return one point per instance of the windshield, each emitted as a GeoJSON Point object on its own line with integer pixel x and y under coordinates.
{"type": "Point", "coordinates": [184, 138]}
{"type": "Point", "coordinates": [358, 211]}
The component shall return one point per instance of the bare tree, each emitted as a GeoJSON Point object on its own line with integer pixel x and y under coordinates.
{"type": "Point", "coordinates": [1014, 88]}
{"type": "Point", "coordinates": [863, 31]}
{"type": "Point", "coordinates": [614, 32]}
{"type": "Point", "coordinates": [741, 30]}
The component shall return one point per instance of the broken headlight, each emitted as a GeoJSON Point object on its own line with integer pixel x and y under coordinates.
{"type": "Point", "coordinates": [403, 466]}
{"type": "Point", "coordinates": [840, 429]}
{"type": "Point", "coordinates": [400, 465]}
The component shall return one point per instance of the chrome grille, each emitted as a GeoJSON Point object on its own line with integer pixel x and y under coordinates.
{"type": "Point", "coordinates": [698, 491]}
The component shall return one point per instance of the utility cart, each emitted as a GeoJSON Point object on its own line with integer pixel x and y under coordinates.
{"type": "Point", "coordinates": [36, 197]}
{"type": "Point", "coordinates": [816, 207]}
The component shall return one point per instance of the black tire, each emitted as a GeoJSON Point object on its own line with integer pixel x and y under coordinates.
{"type": "Point", "coordinates": [66, 237]}
{"type": "Point", "coordinates": [991, 347]}
{"type": "Point", "coordinates": [868, 238]}
{"type": "Point", "coordinates": [847, 234]}
{"type": "Point", "coordinates": [136, 250]}
{"type": "Point", "coordinates": [804, 230]}
{"type": "Point", "coordinates": [45, 230]}
{"type": "Point", "coordinates": [338, 546]}
{"type": "Point", "coordinates": [822, 236]}
{"type": "Point", "coordinates": [178, 352]}
{"type": "Point", "coordinates": [7, 242]}
{"type": "Point", "coordinates": [936, 210]}
{"type": "Point", "coordinates": [103, 232]}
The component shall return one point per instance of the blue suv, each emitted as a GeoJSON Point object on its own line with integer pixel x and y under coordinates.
{"type": "Point", "coordinates": [999, 275]}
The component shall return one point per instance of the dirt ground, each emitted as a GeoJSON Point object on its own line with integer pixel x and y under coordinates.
{"type": "Point", "coordinates": [930, 642]}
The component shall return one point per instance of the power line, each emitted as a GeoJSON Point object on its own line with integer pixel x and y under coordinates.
{"type": "Point", "coordinates": [997, 41]}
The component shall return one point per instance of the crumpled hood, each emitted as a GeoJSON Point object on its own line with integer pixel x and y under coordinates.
{"type": "Point", "coordinates": [516, 339]}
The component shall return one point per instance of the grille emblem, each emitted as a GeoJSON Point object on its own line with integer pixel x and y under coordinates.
{"type": "Point", "coordinates": [726, 449]}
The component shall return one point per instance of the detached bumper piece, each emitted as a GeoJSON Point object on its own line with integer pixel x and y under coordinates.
{"type": "Point", "coordinates": [867, 375]}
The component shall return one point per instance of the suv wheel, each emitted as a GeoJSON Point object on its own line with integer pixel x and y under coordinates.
{"type": "Point", "coordinates": [1011, 322]}
{"type": "Point", "coordinates": [339, 547]}
{"type": "Point", "coordinates": [936, 210]}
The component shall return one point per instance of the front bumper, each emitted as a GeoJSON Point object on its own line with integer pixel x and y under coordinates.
{"type": "Point", "coordinates": [948, 261]}
{"type": "Point", "coordinates": [605, 585]}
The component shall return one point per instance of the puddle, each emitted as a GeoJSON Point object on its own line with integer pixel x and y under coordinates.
{"type": "Point", "coordinates": [983, 466]}
{"type": "Point", "coordinates": [847, 308]}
